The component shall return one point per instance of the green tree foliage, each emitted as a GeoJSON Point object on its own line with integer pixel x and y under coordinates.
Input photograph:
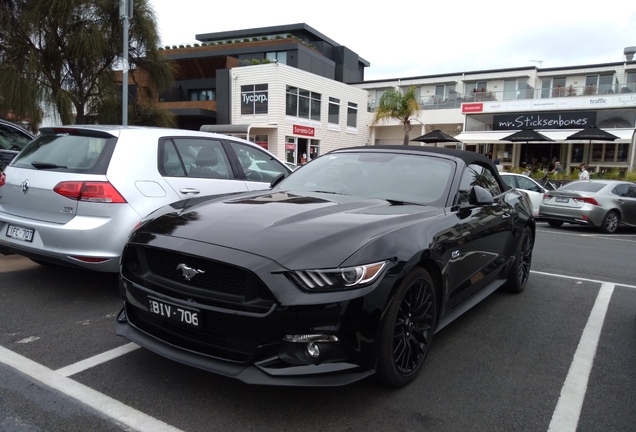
{"type": "Point", "coordinates": [398, 105]}
{"type": "Point", "coordinates": [61, 54]}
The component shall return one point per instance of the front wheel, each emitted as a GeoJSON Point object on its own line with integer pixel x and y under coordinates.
{"type": "Point", "coordinates": [555, 224]}
{"type": "Point", "coordinates": [406, 331]}
{"type": "Point", "coordinates": [520, 271]}
{"type": "Point", "coordinates": [610, 222]}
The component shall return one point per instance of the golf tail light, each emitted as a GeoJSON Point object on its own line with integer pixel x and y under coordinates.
{"type": "Point", "coordinates": [102, 192]}
{"type": "Point", "coordinates": [3, 179]}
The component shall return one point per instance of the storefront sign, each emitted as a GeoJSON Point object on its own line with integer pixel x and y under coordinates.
{"type": "Point", "coordinates": [263, 144]}
{"type": "Point", "coordinates": [545, 120]}
{"type": "Point", "coordinates": [290, 147]}
{"type": "Point", "coordinates": [254, 99]}
{"type": "Point", "coordinates": [303, 130]}
{"type": "Point", "coordinates": [472, 107]}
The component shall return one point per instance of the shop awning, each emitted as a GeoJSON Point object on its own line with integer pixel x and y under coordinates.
{"type": "Point", "coordinates": [489, 137]}
{"type": "Point", "coordinates": [234, 129]}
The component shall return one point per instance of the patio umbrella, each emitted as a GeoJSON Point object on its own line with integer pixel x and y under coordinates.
{"type": "Point", "coordinates": [592, 133]}
{"type": "Point", "coordinates": [527, 135]}
{"type": "Point", "coordinates": [435, 136]}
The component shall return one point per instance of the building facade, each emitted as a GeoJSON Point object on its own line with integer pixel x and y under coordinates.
{"type": "Point", "coordinates": [317, 100]}
{"type": "Point", "coordinates": [482, 108]}
{"type": "Point", "coordinates": [296, 115]}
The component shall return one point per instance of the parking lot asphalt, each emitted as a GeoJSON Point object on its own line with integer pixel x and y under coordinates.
{"type": "Point", "coordinates": [514, 362]}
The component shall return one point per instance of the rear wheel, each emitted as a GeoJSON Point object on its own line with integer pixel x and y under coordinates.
{"type": "Point", "coordinates": [406, 331]}
{"type": "Point", "coordinates": [520, 271]}
{"type": "Point", "coordinates": [610, 222]}
{"type": "Point", "coordinates": [555, 224]}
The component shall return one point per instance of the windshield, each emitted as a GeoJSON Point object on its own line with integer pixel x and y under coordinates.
{"type": "Point", "coordinates": [417, 179]}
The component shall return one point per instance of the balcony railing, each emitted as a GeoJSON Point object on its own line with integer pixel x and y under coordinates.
{"type": "Point", "coordinates": [455, 100]}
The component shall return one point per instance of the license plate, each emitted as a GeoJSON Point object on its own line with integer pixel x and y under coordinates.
{"type": "Point", "coordinates": [173, 312]}
{"type": "Point", "coordinates": [19, 233]}
{"type": "Point", "coordinates": [563, 200]}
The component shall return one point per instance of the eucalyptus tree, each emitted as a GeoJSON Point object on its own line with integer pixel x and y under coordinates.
{"type": "Point", "coordinates": [62, 54]}
{"type": "Point", "coordinates": [398, 105]}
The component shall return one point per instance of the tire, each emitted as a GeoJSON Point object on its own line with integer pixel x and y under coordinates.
{"type": "Point", "coordinates": [406, 331]}
{"type": "Point", "coordinates": [610, 222]}
{"type": "Point", "coordinates": [520, 271]}
{"type": "Point", "coordinates": [555, 224]}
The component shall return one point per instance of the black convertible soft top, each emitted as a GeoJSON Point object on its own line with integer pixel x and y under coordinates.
{"type": "Point", "coordinates": [469, 157]}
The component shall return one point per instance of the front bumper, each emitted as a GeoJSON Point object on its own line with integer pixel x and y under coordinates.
{"type": "Point", "coordinates": [269, 371]}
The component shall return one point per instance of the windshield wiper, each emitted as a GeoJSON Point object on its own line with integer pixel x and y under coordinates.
{"type": "Point", "coordinates": [328, 192]}
{"type": "Point", "coordinates": [397, 202]}
{"type": "Point", "coordinates": [45, 165]}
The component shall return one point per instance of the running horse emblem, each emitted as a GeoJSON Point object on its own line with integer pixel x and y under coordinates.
{"type": "Point", "coordinates": [188, 272]}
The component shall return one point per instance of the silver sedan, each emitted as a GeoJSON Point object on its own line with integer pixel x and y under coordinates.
{"type": "Point", "coordinates": [603, 204]}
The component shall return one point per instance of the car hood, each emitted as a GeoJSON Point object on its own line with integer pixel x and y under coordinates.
{"type": "Point", "coordinates": [291, 228]}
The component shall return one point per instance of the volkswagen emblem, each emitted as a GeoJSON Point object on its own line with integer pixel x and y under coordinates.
{"type": "Point", "coordinates": [188, 272]}
{"type": "Point", "coordinates": [25, 186]}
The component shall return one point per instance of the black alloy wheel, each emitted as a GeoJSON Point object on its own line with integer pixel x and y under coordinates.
{"type": "Point", "coordinates": [520, 271]}
{"type": "Point", "coordinates": [407, 329]}
{"type": "Point", "coordinates": [555, 224]}
{"type": "Point", "coordinates": [610, 222]}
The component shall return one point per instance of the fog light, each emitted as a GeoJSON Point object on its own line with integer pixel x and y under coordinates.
{"type": "Point", "coordinates": [313, 350]}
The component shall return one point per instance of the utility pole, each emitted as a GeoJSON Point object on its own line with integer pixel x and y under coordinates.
{"type": "Point", "coordinates": [125, 12]}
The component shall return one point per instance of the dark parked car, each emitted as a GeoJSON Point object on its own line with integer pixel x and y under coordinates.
{"type": "Point", "coordinates": [344, 269]}
{"type": "Point", "coordinates": [602, 204]}
{"type": "Point", "coordinates": [13, 139]}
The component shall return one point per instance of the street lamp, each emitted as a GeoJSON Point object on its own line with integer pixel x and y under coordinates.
{"type": "Point", "coordinates": [125, 12]}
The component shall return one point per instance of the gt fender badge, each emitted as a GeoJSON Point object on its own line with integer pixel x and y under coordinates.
{"type": "Point", "coordinates": [188, 272]}
{"type": "Point", "coordinates": [455, 254]}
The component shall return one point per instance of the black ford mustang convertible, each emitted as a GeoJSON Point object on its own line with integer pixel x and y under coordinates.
{"type": "Point", "coordinates": [344, 269]}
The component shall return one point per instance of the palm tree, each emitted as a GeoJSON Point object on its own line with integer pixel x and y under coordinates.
{"type": "Point", "coordinates": [398, 105]}
{"type": "Point", "coordinates": [60, 55]}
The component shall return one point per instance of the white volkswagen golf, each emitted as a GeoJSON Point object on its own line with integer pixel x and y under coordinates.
{"type": "Point", "coordinates": [74, 194]}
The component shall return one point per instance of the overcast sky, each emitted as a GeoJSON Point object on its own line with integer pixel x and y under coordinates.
{"type": "Point", "coordinates": [415, 37]}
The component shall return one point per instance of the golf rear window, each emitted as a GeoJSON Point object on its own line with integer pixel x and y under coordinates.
{"type": "Point", "coordinates": [66, 152]}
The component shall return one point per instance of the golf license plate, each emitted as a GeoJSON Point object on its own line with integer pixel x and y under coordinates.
{"type": "Point", "coordinates": [19, 233]}
{"type": "Point", "coordinates": [173, 312]}
{"type": "Point", "coordinates": [562, 200]}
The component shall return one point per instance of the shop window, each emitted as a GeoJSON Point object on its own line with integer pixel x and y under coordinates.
{"type": "Point", "coordinates": [577, 153]}
{"type": "Point", "coordinates": [254, 99]}
{"type": "Point", "coordinates": [334, 113]}
{"type": "Point", "coordinates": [277, 56]}
{"type": "Point", "coordinates": [553, 87]}
{"type": "Point", "coordinates": [201, 95]}
{"type": "Point", "coordinates": [302, 103]}
{"type": "Point", "coordinates": [352, 117]}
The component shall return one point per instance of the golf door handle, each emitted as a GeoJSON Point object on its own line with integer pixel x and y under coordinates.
{"type": "Point", "coordinates": [189, 191]}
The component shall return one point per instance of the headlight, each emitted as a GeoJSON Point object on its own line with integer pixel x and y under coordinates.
{"type": "Point", "coordinates": [339, 278]}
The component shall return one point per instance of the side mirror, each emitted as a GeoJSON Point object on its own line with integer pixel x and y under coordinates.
{"type": "Point", "coordinates": [479, 196]}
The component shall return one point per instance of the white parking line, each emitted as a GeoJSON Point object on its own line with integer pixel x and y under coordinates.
{"type": "Point", "coordinates": [116, 411]}
{"type": "Point", "coordinates": [614, 237]}
{"type": "Point", "coordinates": [568, 410]}
{"type": "Point", "coordinates": [581, 279]}
{"type": "Point", "coordinates": [88, 363]}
